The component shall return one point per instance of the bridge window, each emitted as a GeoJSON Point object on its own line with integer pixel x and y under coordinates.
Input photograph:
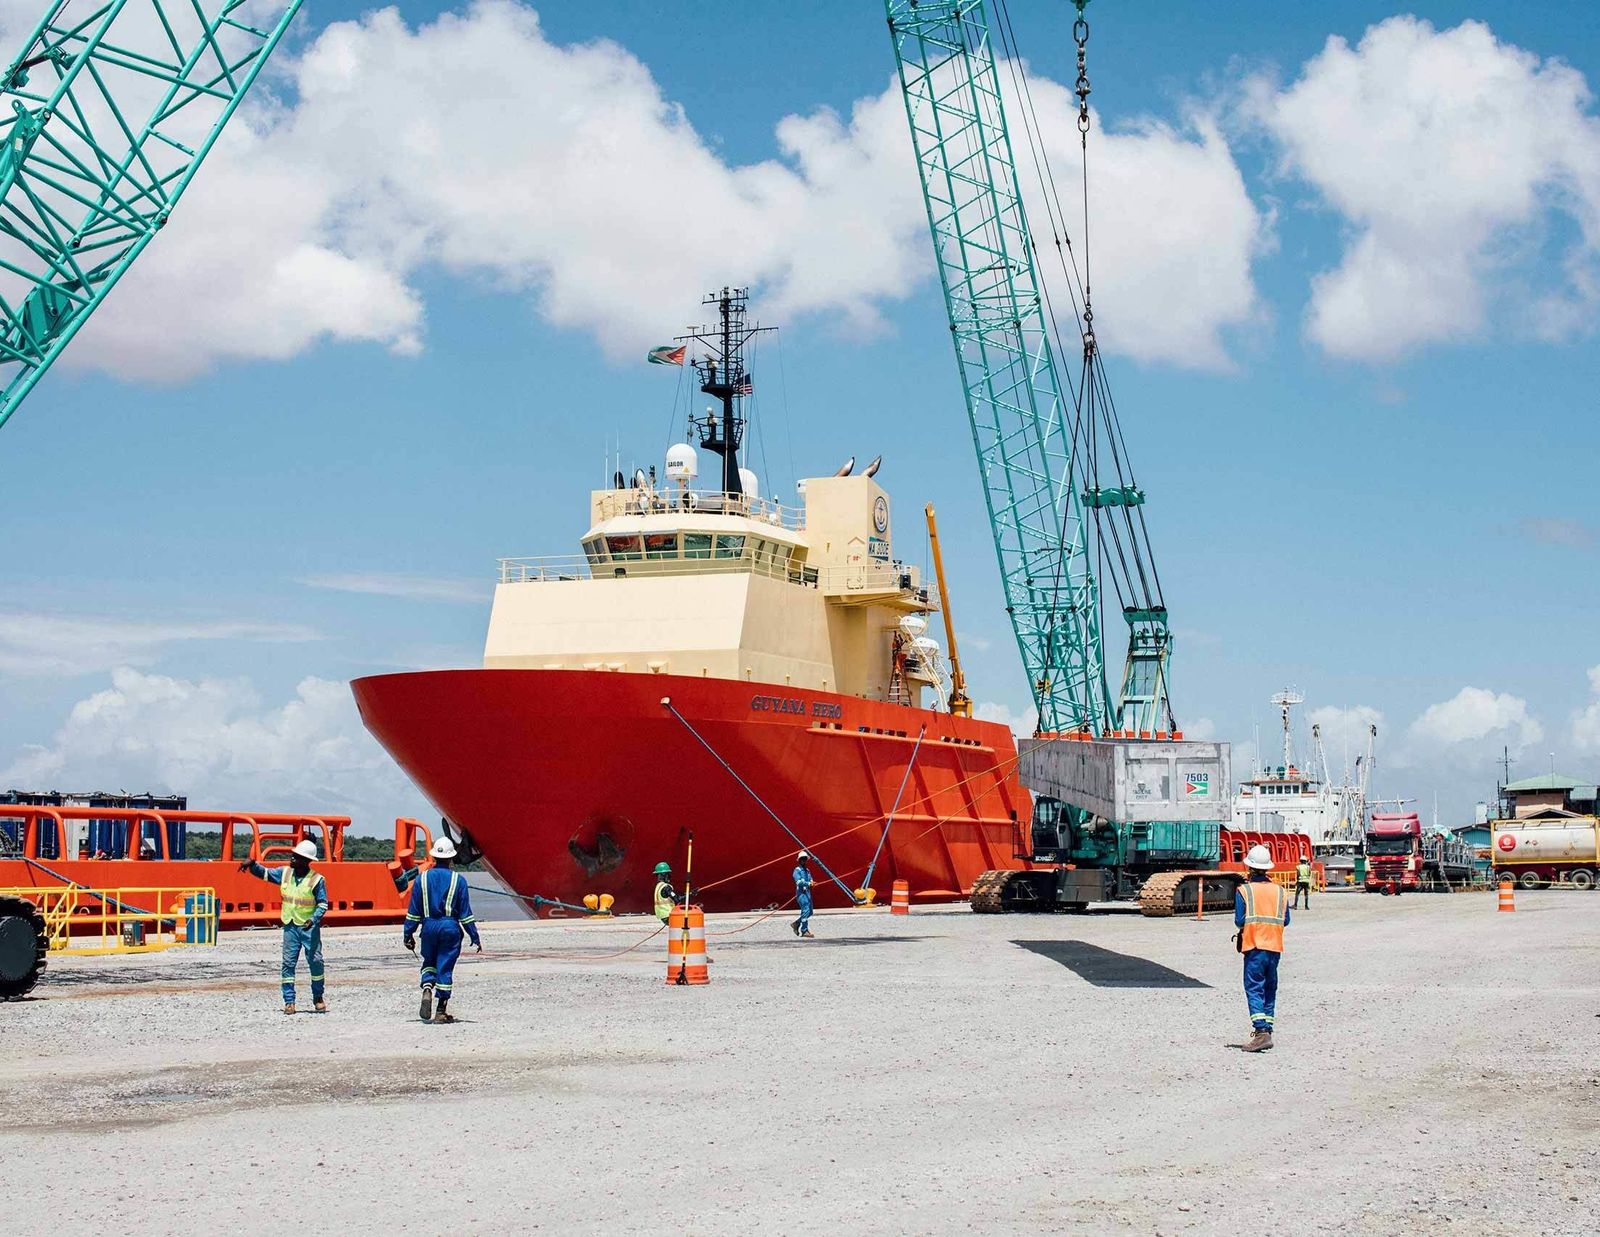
{"type": "Point", "coordinates": [595, 549]}
{"type": "Point", "coordinates": [697, 545]}
{"type": "Point", "coordinates": [729, 546]}
{"type": "Point", "coordinates": [624, 547]}
{"type": "Point", "coordinates": [661, 545]}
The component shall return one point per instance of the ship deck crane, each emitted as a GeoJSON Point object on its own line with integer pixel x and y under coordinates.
{"type": "Point", "coordinates": [111, 108]}
{"type": "Point", "coordinates": [1066, 510]}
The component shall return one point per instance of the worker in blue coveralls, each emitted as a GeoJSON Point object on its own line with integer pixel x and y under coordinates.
{"type": "Point", "coordinates": [305, 902]}
{"type": "Point", "coordinates": [442, 907]}
{"type": "Point", "coordinates": [802, 894]}
{"type": "Point", "coordinates": [1261, 913]}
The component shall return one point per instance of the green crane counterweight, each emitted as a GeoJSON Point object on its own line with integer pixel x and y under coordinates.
{"type": "Point", "coordinates": [112, 108]}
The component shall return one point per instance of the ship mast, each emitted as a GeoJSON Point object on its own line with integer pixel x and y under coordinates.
{"type": "Point", "coordinates": [724, 377]}
{"type": "Point", "coordinates": [1286, 700]}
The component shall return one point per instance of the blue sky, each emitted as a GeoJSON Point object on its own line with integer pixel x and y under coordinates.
{"type": "Point", "coordinates": [259, 478]}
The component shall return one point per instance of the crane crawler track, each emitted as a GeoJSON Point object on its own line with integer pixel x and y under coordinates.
{"type": "Point", "coordinates": [1173, 893]}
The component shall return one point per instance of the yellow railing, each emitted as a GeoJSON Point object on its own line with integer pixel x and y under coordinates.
{"type": "Point", "coordinates": [122, 921]}
{"type": "Point", "coordinates": [1287, 879]}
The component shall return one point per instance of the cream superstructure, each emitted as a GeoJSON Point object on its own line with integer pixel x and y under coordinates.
{"type": "Point", "coordinates": [728, 587]}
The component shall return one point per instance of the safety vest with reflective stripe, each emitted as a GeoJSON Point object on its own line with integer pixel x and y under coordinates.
{"type": "Point", "coordinates": [447, 908]}
{"type": "Point", "coordinates": [299, 896]}
{"type": "Point", "coordinates": [1302, 873]}
{"type": "Point", "coordinates": [1266, 906]}
{"type": "Point", "coordinates": [663, 902]}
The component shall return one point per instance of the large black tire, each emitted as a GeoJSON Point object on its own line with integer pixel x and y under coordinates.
{"type": "Point", "coordinates": [22, 947]}
{"type": "Point", "coordinates": [1582, 878]}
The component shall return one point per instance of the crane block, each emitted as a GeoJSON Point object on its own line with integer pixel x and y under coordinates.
{"type": "Point", "coordinates": [114, 108]}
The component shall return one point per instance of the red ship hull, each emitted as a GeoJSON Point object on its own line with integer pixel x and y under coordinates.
{"type": "Point", "coordinates": [578, 782]}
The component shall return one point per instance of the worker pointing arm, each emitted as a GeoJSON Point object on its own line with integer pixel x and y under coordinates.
{"type": "Point", "coordinates": [305, 902]}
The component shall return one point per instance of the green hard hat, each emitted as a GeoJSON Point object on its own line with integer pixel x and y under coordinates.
{"type": "Point", "coordinates": [663, 869]}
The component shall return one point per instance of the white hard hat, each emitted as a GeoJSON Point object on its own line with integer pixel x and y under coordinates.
{"type": "Point", "coordinates": [444, 848]}
{"type": "Point", "coordinates": [1259, 858]}
{"type": "Point", "coordinates": [306, 848]}
{"type": "Point", "coordinates": [802, 856]}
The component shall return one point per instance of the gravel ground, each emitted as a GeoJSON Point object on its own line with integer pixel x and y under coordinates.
{"type": "Point", "coordinates": [1438, 1066]}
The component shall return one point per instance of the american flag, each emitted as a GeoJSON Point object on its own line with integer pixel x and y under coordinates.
{"type": "Point", "coordinates": [744, 387]}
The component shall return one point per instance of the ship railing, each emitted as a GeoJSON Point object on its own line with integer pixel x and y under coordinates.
{"type": "Point", "coordinates": [876, 580]}
{"type": "Point", "coordinates": [612, 503]}
{"type": "Point", "coordinates": [558, 569]}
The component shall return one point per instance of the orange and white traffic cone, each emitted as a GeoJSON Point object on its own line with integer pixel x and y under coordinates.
{"type": "Point", "coordinates": [686, 947]}
{"type": "Point", "coordinates": [900, 898]}
{"type": "Point", "coordinates": [1507, 898]}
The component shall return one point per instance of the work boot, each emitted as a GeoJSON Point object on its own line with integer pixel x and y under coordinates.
{"type": "Point", "coordinates": [425, 1010]}
{"type": "Point", "coordinates": [288, 1007]}
{"type": "Point", "coordinates": [320, 1005]}
{"type": "Point", "coordinates": [795, 927]}
{"type": "Point", "coordinates": [1259, 1041]}
{"type": "Point", "coordinates": [443, 1015]}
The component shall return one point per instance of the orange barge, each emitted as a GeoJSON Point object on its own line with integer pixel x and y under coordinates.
{"type": "Point", "coordinates": [48, 846]}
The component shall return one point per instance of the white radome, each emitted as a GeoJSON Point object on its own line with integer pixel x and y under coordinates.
{"type": "Point", "coordinates": [749, 484]}
{"type": "Point", "coordinates": [683, 463]}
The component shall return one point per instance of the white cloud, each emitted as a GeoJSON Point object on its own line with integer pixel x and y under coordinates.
{"type": "Point", "coordinates": [1200, 728]}
{"type": "Point", "coordinates": [475, 145]}
{"type": "Point", "coordinates": [1173, 230]}
{"type": "Point", "coordinates": [1449, 154]}
{"type": "Point", "coordinates": [213, 740]}
{"type": "Point", "coordinates": [1586, 725]}
{"type": "Point", "coordinates": [1475, 714]}
{"type": "Point", "coordinates": [49, 644]}
{"type": "Point", "coordinates": [400, 584]}
{"type": "Point", "coordinates": [1020, 721]}
{"type": "Point", "coordinates": [1557, 530]}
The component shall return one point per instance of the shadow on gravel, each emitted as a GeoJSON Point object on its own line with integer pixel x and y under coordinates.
{"type": "Point", "coordinates": [1106, 969]}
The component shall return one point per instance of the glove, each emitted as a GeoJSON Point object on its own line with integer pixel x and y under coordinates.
{"type": "Point", "coordinates": [477, 947]}
{"type": "Point", "coordinates": [410, 943]}
{"type": "Point", "coordinates": [245, 866]}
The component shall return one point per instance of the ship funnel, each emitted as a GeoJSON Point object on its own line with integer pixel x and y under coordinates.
{"type": "Point", "coordinates": [872, 468]}
{"type": "Point", "coordinates": [683, 463]}
{"type": "Point", "coordinates": [749, 484]}
{"type": "Point", "coordinates": [848, 467]}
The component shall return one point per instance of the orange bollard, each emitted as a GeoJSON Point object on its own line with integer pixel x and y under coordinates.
{"type": "Point", "coordinates": [686, 947]}
{"type": "Point", "coordinates": [900, 898]}
{"type": "Point", "coordinates": [1507, 898]}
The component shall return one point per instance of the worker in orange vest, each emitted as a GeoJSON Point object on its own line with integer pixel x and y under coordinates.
{"type": "Point", "coordinates": [1261, 913]}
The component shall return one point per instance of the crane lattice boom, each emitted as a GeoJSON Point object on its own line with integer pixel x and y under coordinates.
{"type": "Point", "coordinates": [1018, 407]}
{"type": "Point", "coordinates": [110, 109]}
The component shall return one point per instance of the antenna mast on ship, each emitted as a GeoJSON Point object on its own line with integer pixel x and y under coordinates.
{"type": "Point", "coordinates": [1286, 700]}
{"type": "Point", "coordinates": [723, 375]}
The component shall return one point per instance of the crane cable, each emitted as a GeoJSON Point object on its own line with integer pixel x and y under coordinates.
{"type": "Point", "coordinates": [1133, 556]}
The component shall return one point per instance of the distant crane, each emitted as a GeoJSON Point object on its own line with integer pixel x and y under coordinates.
{"type": "Point", "coordinates": [113, 106]}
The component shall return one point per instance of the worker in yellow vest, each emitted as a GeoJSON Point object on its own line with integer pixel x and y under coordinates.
{"type": "Point", "coordinates": [1261, 913]}
{"type": "Point", "coordinates": [663, 898]}
{"type": "Point", "coordinates": [305, 902]}
{"type": "Point", "coordinates": [1302, 882]}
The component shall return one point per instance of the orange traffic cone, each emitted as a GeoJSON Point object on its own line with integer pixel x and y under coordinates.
{"type": "Point", "coordinates": [900, 898]}
{"type": "Point", "coordinates": [1507, 900]}
{"type": "Point", "coordinates": [686, 947]}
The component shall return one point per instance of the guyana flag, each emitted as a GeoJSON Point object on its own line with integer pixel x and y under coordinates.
{"type": "Point", "coordinates": [666, 355]}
